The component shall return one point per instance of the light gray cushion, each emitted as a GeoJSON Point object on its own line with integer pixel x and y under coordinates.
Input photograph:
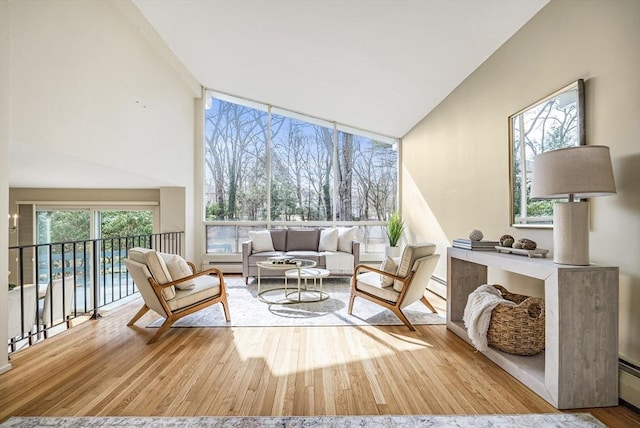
{"type": "Point", "coordinates": [260, 241]}
{"type": "Point", "coordinates": [206, 286]}
{"type": "Point", "coordinates": [369, 282]}
{"type": "Point", "coordinates": [346, 235]}
{"type": "Point", "coordinates": [279, 239]}
{"type": "Point", "coordinates": [303, 239]}
{"type": "Point", "coordinates": [178, 268]}
{"type": "Point", "coordinates": [390, 266]}
{"type": "Point", "coordinates": [328, 240]}
{"type": "Point", "coordinates": [160, 273]}
{"type": "Point", "coordinates": [137, 254]}
{"type": "Point", "coordinates": [410, 254]}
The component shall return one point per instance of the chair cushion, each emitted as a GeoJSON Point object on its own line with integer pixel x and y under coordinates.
{"type": "Point", "coordinates": [410, 254]}
{"type": "Point", "coordinates": [137, 254]}
{"type": "Point", "coordinates": [206, 286]}
{"type": "Point", "coordinates": [160, 273]}
{"type": "Point", "coordinates": [260, 241]}
{"type": "Point", "coordinates": [303, 239]}
{"type": "Point", "coordinates": [178, 268]}
{"type": "Point", "coordinates": [279, 239]}
{"type": "Point", "coordinates": [390, 266]}
{"type": "Point", "coordinates": [370, 282]}
{"type": "Point", "coordinates": [346, 235]}
{"type": "Point", "coordinates": [328, 240]}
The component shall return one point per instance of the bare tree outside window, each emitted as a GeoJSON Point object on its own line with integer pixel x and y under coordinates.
{"type": "Point", "coordinates": [308, 178]}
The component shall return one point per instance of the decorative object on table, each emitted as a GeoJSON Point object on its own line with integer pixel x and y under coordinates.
{"type": "Point", "coordinates": [282, 260]}
{"type": "Point", "coordinates": [476, 235]}
{"type": "Point", "coordinates": [468, 244]}
{"type": "Point", "coordinates": [519, 329]}
{"type": "Point", "coordinates": [525, 244]}
{"type": "Point", "coordinates": [395, 228]}
{"type": "Point", "coordinates": [506, 241]}
{"type": "Point", "coordinates": [538, 252]}
{"type": "Point", "coordinates": [583, 172]}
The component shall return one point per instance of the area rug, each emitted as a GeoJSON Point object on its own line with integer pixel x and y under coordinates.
{"type": "Point", "coordinates": [559, 420]}
{"type": "Point", "coordinates": [247, 310]}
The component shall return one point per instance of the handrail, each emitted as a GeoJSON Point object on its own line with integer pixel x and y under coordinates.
{"type": "Point", "coordinates": [73, 278]}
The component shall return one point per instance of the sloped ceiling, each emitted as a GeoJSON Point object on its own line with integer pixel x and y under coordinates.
{"type": "Point", "coordinates": [377, 65]}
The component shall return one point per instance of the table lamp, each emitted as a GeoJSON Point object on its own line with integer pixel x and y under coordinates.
{"type": "Point", "coordinates": [583, 172]}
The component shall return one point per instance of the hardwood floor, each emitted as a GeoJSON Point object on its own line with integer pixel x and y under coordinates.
{"type": "Point", "coordinates": [105, 368]}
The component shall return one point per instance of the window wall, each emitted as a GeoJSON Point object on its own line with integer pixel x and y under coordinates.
{"type": "Point", "coordinates": [269, 167]}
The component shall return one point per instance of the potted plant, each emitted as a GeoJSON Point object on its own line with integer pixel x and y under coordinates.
{"type": "Point", "coordinates": [395, 227]}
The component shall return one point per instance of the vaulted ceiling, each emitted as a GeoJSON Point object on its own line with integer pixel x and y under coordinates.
{"type": "Point", "coordinates": [378, 65]}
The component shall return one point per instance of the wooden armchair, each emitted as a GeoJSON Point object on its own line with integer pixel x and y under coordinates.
{"type": "Point", "coordinates": [173, 299]}
{"type": "Point", "coordinates": [397, 290]}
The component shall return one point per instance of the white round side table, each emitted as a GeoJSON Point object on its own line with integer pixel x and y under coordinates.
{"type": "Point", "coordinates": [306, 294]}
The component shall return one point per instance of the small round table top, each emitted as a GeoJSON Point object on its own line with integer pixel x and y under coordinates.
{"type": "Point", "coordinates": [307, 273]}
{"type": "Point", "coordinates": [302, 263]}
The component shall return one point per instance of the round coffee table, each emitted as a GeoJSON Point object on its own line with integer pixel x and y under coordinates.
{"type": "Point", "coordinates": [306, 274]}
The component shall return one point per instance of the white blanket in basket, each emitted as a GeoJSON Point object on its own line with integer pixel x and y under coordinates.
{"type": "Point", "coordinates": [477, 313]}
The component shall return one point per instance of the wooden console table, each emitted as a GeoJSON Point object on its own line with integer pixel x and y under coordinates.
{"type": "Point", "coordinates": [579, 366]}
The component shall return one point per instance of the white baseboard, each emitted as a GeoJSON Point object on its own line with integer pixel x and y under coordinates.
{"type": "Point", "coordinates": [5, 368]}
{"type": "Point", "coordinates": [630, 388]}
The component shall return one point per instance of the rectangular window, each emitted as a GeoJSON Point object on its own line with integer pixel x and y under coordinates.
{"type": "Point", "coordinates": [235, 161]}
{"type": "Point", "coordinates": [368, 178]}
{"type": "Point", "coordinates": [301, 170]}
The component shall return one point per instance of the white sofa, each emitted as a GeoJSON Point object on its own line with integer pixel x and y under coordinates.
{"type": "Point", "coordinates": [334, 249]}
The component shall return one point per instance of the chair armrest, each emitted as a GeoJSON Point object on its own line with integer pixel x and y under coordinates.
{"type": "Point", "coordinates": [211, 271]}
{"type": "Point", "coordinates": [378, 271]}
{"type": "Point", "coordinates": [246, 252]}
{"type": "Point", "coordinates": [355, 250]}
{"type": "Point", "coordinates": [192, 266]}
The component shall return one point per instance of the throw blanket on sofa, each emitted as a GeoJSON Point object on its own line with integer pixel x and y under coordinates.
{"type": "Point", "coordinates": [477, 313]}
{"type": "Point", "coordinates": [339, 263]}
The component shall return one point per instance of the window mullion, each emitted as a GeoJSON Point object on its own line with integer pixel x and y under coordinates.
{"type": "Point", "coordinates": [268, 166]}
{"type": "Point", "coordinates": [334, 203]}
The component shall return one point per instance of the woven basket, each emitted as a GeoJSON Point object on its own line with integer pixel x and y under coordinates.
{"type": "Point", "coordinates": [517, 329]}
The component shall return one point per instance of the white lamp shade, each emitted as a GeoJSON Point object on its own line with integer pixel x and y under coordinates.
{"type": "Point", "coordinates": [582, 171]}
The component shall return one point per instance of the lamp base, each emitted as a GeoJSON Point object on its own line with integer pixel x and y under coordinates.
{"type": "Point", "coordinates": [571, 233]}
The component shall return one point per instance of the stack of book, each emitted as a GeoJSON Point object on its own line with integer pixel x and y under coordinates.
{"type": "Point", "coordinates": [468, 244]}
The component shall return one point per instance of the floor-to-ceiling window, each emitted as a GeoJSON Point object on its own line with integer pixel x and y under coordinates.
{"type": "Point", "coordinates": [269, 167]}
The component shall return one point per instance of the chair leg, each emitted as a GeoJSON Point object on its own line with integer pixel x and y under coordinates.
{"type": "Point", "coordinates": [246, 280]}
{"type": "Point", "coordinates": [139, 315]}
{"type": "Point", "coordinates": [225, 308]}
{"type": "Point", "coordinates": [428, 305]}
{"type": "Point", "coordinates": [162, 330]}
{"type": "Point", "coordinates": [403, 318]}
{"type": "Point", "coordinates": [351, 300]}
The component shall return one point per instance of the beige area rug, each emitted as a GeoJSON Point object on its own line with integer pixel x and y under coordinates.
{"type": "Point", "coordinates": [248, 311]}
{"type": "Point", "coordinates": [555, 420]}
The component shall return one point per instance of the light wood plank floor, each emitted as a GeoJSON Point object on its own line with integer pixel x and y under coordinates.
{"type": "Point", "coordinates": [105, 368]}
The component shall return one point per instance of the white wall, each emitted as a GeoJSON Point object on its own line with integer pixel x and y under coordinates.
{"type": "Point", "coordinates": [4, 177]}
{"type": "Point", "coordinates": [456, 160]}
{"type": "Point", "coordinates": [90, 84]}
{"type": "Point", "coordinates": [87, 85]}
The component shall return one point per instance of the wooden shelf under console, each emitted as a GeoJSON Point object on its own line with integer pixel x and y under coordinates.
{"type": "Point", "coordinates": [579, 367]}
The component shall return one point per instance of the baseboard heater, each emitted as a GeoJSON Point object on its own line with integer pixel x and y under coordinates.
{"type": "Point", "coordinates": [629, 384]}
